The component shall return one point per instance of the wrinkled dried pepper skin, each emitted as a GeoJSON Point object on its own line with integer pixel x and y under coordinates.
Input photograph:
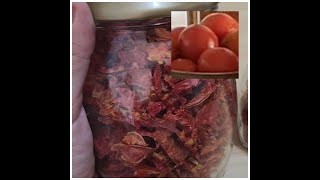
{"type": "Point", "coordinates": [146, 124]}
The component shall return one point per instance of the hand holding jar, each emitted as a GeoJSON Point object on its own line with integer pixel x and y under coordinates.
{"type": "Point", "coordinates": [145, 123]}
{"type": "Point", "coordinates": [83, 35]}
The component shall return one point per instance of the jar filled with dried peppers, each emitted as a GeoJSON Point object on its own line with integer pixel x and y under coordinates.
{"type": "Point", "coordinates": [145, 123]}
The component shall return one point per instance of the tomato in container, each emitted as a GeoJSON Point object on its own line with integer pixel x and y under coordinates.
{"type": "Point", "coordinates": [145, 123]}
{"type": "Point", "coordinates": [175, 33]}
{"type": "Point", "coordinates": [221, 24]}
{"type": "Point", "coordinates": [218, 60]}
{"type": "Point", "coordinates": [183, 65]}
{"type": "Point", "coordinates": [212, 45]}
{"type": "Point", "coordinates": [195, 39]}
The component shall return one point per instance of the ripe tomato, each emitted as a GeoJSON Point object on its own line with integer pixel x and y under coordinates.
{"type": "Point", "coordinates": [218, 60]}
{"type": "Point", "coordinates": [221, 24]}
{"type": "Point", "coordinates": [183, 65]}
{"type": "Point", "coordinates": [195, 39]}
{"type": "Point", "coordinates": [175, 35]}
{"type": "Point", "coordinates": [231, 41]}
{"type": "Point", "coordinates": [174, 53]}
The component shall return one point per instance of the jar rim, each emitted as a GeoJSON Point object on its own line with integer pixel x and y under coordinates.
{"type": "Point", "coordinates": [144, 10]}
{"type": "Point", "coordinates": [133, 24]}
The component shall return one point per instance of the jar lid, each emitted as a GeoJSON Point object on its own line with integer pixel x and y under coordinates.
{"type": "Point", "coordinates": [143, 10]}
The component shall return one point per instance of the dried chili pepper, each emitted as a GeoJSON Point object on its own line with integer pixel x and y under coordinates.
{"type": "Point", "coordinates": [146, 124]}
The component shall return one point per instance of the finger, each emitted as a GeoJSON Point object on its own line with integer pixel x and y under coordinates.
{"type": "Point", "coordinates": [82, 148]}
{"type": "Point", "coordinates": [83, 29]}
{"type": "Point", "coordinates": [83, 39]}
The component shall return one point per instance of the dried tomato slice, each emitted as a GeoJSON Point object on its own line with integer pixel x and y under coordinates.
{"type": "Point", "coordinates": [133, 154]}
{"type": "Point", "coordinates": [134, 138]}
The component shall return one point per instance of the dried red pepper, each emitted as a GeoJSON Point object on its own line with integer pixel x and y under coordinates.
{"type": "Point", "coordinates": [146, 124]}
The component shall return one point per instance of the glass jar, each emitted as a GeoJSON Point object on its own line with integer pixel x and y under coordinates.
{"type": "Point", "coordinates": [145, 123]}
{"type": "Point", "coordinates": [243, 108]}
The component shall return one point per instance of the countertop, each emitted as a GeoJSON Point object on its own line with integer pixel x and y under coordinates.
{"type": "Point", "coordinates": [237, 166]}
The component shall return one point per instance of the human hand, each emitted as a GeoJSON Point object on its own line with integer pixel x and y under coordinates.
{"type": "Point", "coordinates": [83, 40]}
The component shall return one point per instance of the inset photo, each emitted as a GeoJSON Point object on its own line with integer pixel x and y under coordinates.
{"type": "Point", "coordinates": [205, 44]}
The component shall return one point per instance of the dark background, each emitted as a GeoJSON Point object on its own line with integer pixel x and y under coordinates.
{"type": "Point", "coordinates": [36, 90]}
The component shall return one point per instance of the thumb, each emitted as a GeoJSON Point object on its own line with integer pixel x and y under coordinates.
{"type": "Point", "coordinates": [83, 40]}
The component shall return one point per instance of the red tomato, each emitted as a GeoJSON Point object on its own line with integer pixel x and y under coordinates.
{"type": "Point", "coordinates": [218, 60]}
{"type": "Point", "coordinates": [195, 39]}
{"type": "Point", "coordinates": [183, 65]}
{"type": "Point", "coordinates": [231, 41]}
{"type": "Point", "coordinates": [174, 53]}
{"type": "Point", "coordinates": [221, 24]}
{"type": "Point", "coordinates": [175, 35]}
